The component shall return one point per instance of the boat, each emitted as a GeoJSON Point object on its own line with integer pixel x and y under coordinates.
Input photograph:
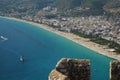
{"type": "Point", "coordinates": [3, 38]}
{"type": "Point", "coordinates": [22, 58]}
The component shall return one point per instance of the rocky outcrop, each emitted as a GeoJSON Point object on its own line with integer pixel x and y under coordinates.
{"type": "Point", "coordinates": [115, 70]}
{"type": "Point", "coordinates": [71, 69]}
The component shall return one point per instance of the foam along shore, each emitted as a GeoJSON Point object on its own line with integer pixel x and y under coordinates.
{"type": "Point", "coordinates": [80, 40]}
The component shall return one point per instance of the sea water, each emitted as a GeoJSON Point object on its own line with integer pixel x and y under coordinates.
{"type": "Point", "coordinates": [42, 50]}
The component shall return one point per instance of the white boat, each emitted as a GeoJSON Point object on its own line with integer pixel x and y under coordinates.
{"type": "Point", "coordinates": [21, 58]}
{"type": "Point", "coordinates": [3, 38]}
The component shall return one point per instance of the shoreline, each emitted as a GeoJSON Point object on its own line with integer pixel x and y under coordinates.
{"type": "Point", "coordinates": [77, 39]}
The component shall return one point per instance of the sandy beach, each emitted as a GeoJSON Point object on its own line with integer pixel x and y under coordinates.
{"type": "Point", "coordinates": [79, 40]}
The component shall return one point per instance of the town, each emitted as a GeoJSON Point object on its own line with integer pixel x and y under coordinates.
{"type": "Point", "coordinates": [97, 26]}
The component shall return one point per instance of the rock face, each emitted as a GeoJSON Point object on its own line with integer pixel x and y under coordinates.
{"type": "Point", "coordinates": [115, 70]}
{"type": "Point", "coordinates": [71, 69]}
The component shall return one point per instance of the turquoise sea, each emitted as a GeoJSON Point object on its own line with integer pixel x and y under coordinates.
{"type": "Point", "coordinates": [42, 50]}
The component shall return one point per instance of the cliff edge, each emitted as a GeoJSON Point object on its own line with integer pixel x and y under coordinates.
{"type": "Point", "coordinates": [71, 69]}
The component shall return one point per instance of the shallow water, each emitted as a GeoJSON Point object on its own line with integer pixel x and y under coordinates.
{"type": "Point", "coordinates": [42, 50]}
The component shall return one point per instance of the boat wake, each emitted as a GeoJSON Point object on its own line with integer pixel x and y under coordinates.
{"type": "Point", "coordinates": [3, 38]}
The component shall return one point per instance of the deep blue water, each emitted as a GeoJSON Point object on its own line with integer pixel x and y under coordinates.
{"type": "Point", "coordinates": [42, 50]}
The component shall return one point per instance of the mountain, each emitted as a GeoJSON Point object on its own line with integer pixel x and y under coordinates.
{"type": "Point", "coordinates": [112, 6]}
{"type": "Point", "coordinates": [22, 5]}
{"type": "Point", "coordinates": [71, 7]}
{"type": "Point", "coordinates": [94, 5]}
{"type": "Point", "coordinates": [67, 4]}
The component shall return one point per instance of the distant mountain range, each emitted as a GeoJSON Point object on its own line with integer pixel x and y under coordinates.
{"type": "Point", "coordinates": [23, 6]}
{"type": "Point", "coordinates": [67, 4]}
{"type": "Point", "coordinates": [93, 4]}
{"type": "Point", "coordinates": [112, 6]}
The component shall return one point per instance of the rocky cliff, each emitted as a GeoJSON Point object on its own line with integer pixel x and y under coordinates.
{"type": "Point", "coordinates": [115, 70]}
{"type": "Point", "coordinates": [71, 69]}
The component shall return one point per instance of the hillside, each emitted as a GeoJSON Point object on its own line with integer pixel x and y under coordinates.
{"type": "Point", "coordinates": [113, 6]}
{"type": "Point", "coordinates": [69, 7]}
{"type": "Point", "coordinates": [95, 6]}
{"type": "Point", "coordinates": [9, 6]}
{"type": "Point", "coordinates": [67, 4]}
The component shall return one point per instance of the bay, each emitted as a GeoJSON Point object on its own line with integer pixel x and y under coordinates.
{"type": "Point", "coordinates": [42, 50]}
